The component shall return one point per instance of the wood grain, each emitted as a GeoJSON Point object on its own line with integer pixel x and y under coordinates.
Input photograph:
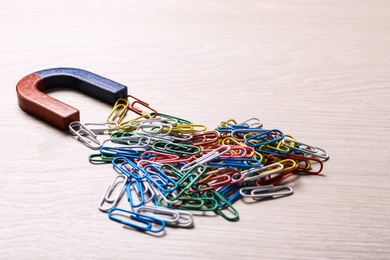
{"type": "Point", "coordinates": [316, 69]}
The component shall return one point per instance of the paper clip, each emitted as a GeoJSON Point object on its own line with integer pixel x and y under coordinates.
{"type": "Point", "coordinates": [261, 172]}
{"type": "Point", "coordinates": [289, 167]}
{"type": "Point", "coordinates": [173, 215]}
{"type": "Point", "coordinates": [149, 193]}
{"type": "Point", "coordinates": [238, 134]}
{"type": "Point", "coordinates": [107, 127]}
{"type": "Point", "coordinates": [250, 150]}
{"type": "Point", "coordinates": [162, 158]}
{"type": "Point", "coordinates": [158, 120]}
{"type": "Point", "coordinates": [140, 221]}
{"type": "Point", "coordinates": [224, 206]}
{"type": "Point", "coordinates": [143, 103]}
{"type": "Point", "coordinates": [205, 138]}
{"type": "Point", "coordinates": [128, 168]}
{"type": "Point", "coordinates": [159, 196]}
{"type": "Point", "coordinates": [186, 219]}
{"type": "Point", "coordinates": [116, 152]}
{"type": "Point", "coordinates": [306, 148]}
{"type": "Point", "coordinates": [120, 180]}
{"type": "Point", "coordinates": [235, 162]}
{"type": "Point", "coordinates": [267, 137]}
{"type": "Point", "coordinates": [132, 124]}
{"type": "Point", "coordinates": [188, 180]}
{"type": "Point", "coordinates": [230, 192]}
{"type": "Point", "coordinates": [175, 148]}
{"type": "Point", "coordinates": [177, 218]}
{"type": "Point", "coordinates": [235, 176]}
{"type": "Point", "coordinates": [207, 157]}
{"type": "Point", "coordinates": [187, 128]}
{"type": "Point", "coordinates": [170, 138]}
{"type": "Point", "coordinates": [139, 189]}
{"type": "Point", "coordinates": [200, 204]}
{"type": "Point", "coordinates": [99, 158]}
{"type": "Point", "coordinates": [135, 141]}
{"type": "Point", "coordinates": [266, 191]}
{"type": "Point", "coordinates": [238, 151]}
{"type": "Point", "coordinates": [84, 135]}
{"type": "Point", "coordinates": [119, 111]}
{"type": "Point", "coordinates": [172, 171]}
{"type": "Point", "coordinates": [227, 123]}
{"type": "Point", "coordinates": [304, 164]}
{"type": "Point", "coordinates": [159, 179]}
{"type": "Point", "coordinates": [178, 119]}
{"type": "Point", "coordinates": [276, 147]}
{"type": "Point", "coordinates": [253, 122]}
{"type": "Point", "coordinates": [181, 149]}
{"type": "Point", "coordinates": [160, 129]}
{"type": "Point", "coordinates": [249, 123]}
{"type": "Point", "coordinates": [214, 182]}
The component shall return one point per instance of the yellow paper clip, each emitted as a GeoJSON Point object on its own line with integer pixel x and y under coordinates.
{"type": "Point", "coordinates": [119, 111]}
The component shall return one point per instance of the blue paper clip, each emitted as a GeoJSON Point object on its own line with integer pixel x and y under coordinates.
{"type": "Point", "coordinates": [120, 152]}
{"type": "Point", "coordinates": [265, 137]}
{"type": "Point", "coordinates": [147, 221]}
{"type": "Point", "coordinates": [139, 190]}
{"type": "Point", "coordinates": [136, 172]}
{"type": "Point", "coordinates": [231, 193]}
{"type": "Point", "coordinates": [236, 162]}
{"type": "Point", "coordinates": [160, 179]}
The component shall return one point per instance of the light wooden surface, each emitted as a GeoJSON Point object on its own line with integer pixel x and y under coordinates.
{"type": "Point", "coordinates": [319, 70]}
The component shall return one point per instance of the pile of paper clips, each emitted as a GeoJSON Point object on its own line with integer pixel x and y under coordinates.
{"type": "Point", "coordinates": [168, 166]}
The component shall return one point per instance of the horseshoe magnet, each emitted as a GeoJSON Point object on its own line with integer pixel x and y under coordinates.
{"type": "Point", "coordinates": [33, 100]}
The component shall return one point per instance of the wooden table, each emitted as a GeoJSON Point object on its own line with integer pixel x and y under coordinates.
{"type": "Point", "coordinates": [319, 70]}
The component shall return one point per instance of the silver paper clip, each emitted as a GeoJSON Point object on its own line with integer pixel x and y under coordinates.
{"type": "Point", "coordinates": [207, 157]}
{"type": "Point", "coordinates": [172, 218]}
{"type": "Point", "coordinates": [103, 128]}
{"type": "Point", "coordinates": [306, 148]}
{"type": "Point", "coordinates": [113, 202]}
{"type": "Point", "coordinates": [177, 218]}
{"type": "Point", "coordinates": [84, 135]}
{"type": "Point", "coordinates": [261, 172]}
{"type": "Point", "coordinates": [267, 191]}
